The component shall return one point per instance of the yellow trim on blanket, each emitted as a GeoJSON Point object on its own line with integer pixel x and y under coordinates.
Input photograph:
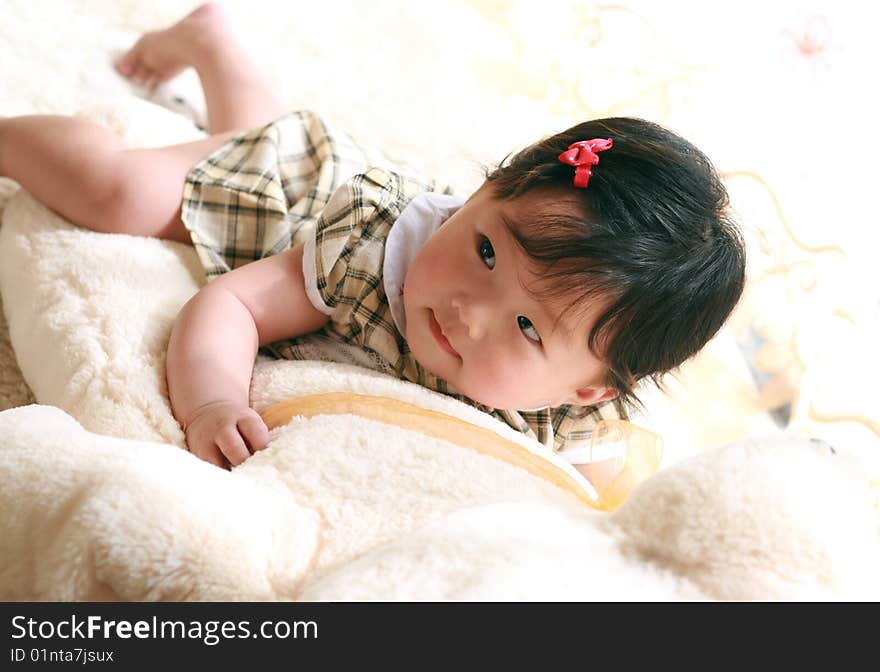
{"type": "Point", "coordinates": [433, 423]}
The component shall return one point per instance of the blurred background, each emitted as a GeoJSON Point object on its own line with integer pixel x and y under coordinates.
{"type": "Point", "coordinates": [780, 95]}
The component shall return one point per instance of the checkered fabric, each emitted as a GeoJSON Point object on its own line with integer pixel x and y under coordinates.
{"type": "Point", "coordinates": [261, 193]}
{"type": "Point", "coordinates": [277, 186]}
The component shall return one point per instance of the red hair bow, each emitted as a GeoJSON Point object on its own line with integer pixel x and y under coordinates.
{"type": "Point", "coordinates": [583, 156]}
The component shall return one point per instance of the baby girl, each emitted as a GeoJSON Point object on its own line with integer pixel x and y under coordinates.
{"type": "Point", "coordinates": [592, 259]}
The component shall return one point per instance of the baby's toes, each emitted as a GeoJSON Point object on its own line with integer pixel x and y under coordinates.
{"type": "Point", "coordinates": [142, 75]}
{"type": "Point", "coordinates": [128, 63]}
{"type": "Point", "coordinates": [124, 67]}
{"type": "Point", "coordinates": [150, 79]}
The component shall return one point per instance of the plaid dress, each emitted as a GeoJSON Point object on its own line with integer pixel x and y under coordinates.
{"type": "Point", "coordinates": [296, 181]}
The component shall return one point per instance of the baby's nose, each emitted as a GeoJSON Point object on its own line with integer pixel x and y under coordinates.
{"type": "Point", "coordinates": [472, 315]}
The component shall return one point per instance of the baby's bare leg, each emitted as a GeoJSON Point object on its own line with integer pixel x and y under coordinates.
{"type": "Point", "coordinates": [81, 171]}
{"type": "Point", "coordinates": [236, 94]}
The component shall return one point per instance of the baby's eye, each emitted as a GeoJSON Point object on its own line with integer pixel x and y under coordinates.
{"type": "Point", "coordinates": [528, 329]}
{"type": "Point", "coordinates": [487, 253]}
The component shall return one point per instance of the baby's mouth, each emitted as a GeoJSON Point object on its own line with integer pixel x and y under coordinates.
{"type": "Point", "coordinates": [439, 336]}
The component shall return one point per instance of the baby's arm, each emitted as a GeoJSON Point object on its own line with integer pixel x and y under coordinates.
{"type": "Point", "coordinates": [212, 349]}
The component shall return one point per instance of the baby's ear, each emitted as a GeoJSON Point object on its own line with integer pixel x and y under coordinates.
{"type": "Point", "coordinates": [592, 396]}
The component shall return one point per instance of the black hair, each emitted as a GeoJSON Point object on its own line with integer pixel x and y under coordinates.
{"type": "Point", "coordinates": [653, 239]}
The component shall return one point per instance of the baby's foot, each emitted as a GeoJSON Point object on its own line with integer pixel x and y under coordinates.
{"type": "Point", "coordinates": [163, 54]}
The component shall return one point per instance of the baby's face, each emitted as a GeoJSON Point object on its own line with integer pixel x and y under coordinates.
{"type": "Point", "coordinates": [471, 321]}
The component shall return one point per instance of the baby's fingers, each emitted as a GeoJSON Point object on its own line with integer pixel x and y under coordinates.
{"type": "Point", "coordinates": [254, 431]}
{"type": "Point", "coordinates": [231, 444]}
{"type": "Point", "coordinates": [208, 452]}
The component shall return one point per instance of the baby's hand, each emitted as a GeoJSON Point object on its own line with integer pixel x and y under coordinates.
{"type": "Point", "coordinates": [225, 433]}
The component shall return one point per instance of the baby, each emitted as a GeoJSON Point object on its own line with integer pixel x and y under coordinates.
{"type": "Point", "coordinates": [585, 263]}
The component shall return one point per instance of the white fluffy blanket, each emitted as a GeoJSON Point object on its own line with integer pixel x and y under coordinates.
{"type": "Point", "coordinates": [350, 509]}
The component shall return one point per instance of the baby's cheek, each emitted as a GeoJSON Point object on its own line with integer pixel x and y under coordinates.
{"type": "Point", "coordinates": [499, 378]}
{"type": "Point", "coordinates": [433, 261]}
{"type": "Point", "coordinates": [420, 273]}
